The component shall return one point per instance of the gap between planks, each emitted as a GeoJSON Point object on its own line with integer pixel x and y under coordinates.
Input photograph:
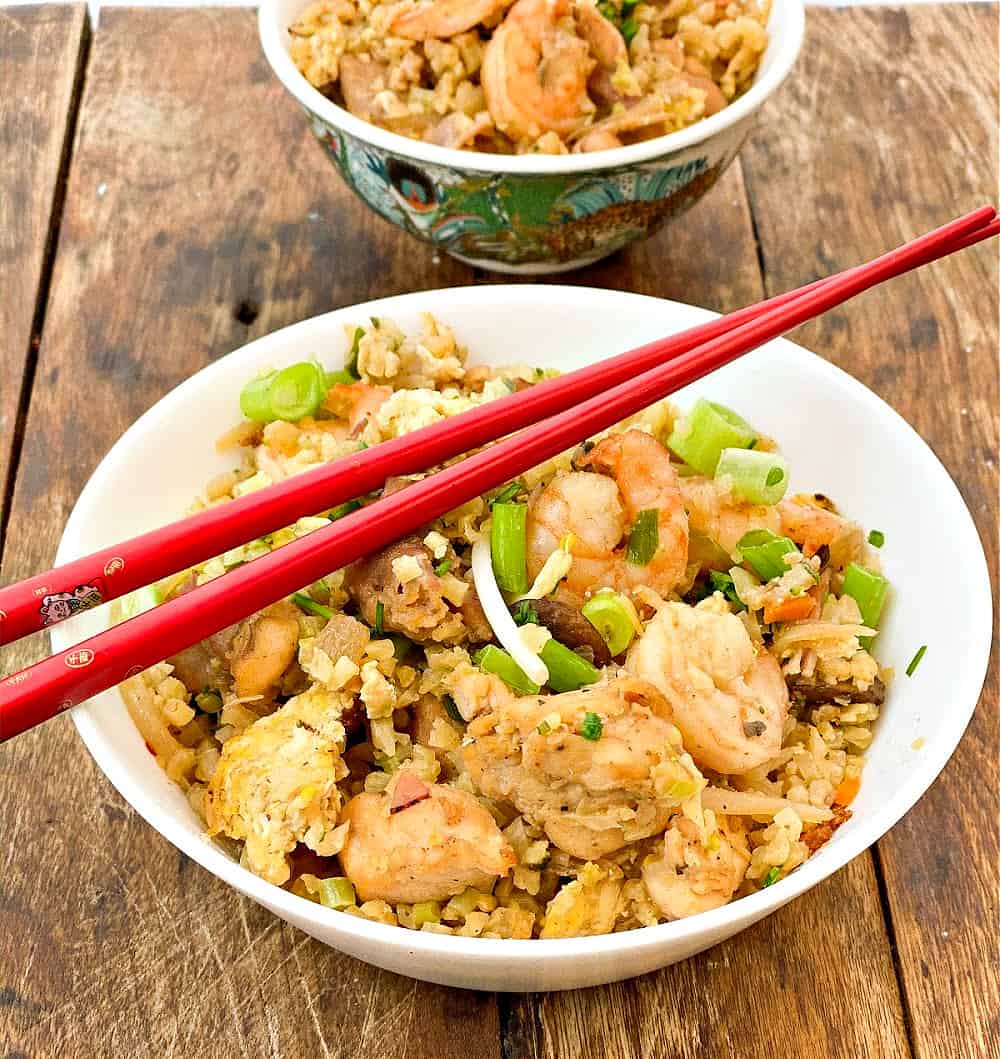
{"type": "Point", "coordinates": [45, 279]}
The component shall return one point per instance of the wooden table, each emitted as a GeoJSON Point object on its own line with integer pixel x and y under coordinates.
{"type": "Point", "coordinates": [161, 202]}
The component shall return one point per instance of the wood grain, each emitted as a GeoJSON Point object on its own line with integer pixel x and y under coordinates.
{"type": "Point", "coordinates": [41, 50]}
{"type": "Point", "coordinates": [200, 213]}
{"type": "Point", "coordinates": [912, 145]}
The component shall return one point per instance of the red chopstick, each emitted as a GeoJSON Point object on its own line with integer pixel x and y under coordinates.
{"type": "Point", "coordinates": [68, 677]}
{"type": "Point", "coordinates": [48, 597]}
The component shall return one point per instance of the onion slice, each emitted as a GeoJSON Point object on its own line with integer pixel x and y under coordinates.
{"type": "Point", "coordinates": [497, 614]}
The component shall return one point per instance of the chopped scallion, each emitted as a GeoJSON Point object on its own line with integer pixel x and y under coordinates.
{"type": "Point", "coordinates": [509, 491]}
{"type": "Point", "coordinates": [763, 552]}
{"type": "Point", "coordinates": [591, 727]}
{"type": "Point", "coordinates": [442, 567]}
{"type": "Point", "coordinates": [708, 429]}
{"type": "Point", "coordinates": [915, 660]}
{"type": "Point", "coordinates": [379, 618]}
{"type": "Point", "coordinates": [644, 538]}
{"type": "Point", "coordinates": [255, 400]}
{"type": "Point", "coordinates": [343, 509]}
{"type": "Point", "coordinates": [722, 582]}
{"type": "Point", "coordinates": [524, 613]}
{"type": "Point", "coordinates": [567, 670]}
{"type": "Point", "coordinates": [452, 710]}
{"type": "Point", "coordinates": [208, 701]}
{"type": "Point", "coordinates": [493, 659]}
{"type": "Point", "coordinates": [339, 378]}
{"type": "Point", "coordinates": [614, 617]}
{"type": "Point", "coordinates": [310, 605]}
{"type": "Point", "coordinates": [337, 892]}
{"type": "Point", "coordinates": [876, 538]}
{"type": "Point", "coordinates": [760, 477]}
{"type": "Point", "coordinates": [351, 366]}
{"type": "Point", "coordinates": [869, 590]}
{"type": "Point", "coordinates": [509, 546]}
{"type": "Point", "coordinates": [771, 877]}
{"type": "Point", "coordinates": [297, 391]}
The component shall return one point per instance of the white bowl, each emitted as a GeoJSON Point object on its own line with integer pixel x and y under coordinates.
{"type": "Point", "coordinates": [840, 439]}
{"type": "Point", "coordinates": [530, 213]}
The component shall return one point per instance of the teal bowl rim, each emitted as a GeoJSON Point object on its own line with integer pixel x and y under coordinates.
{"type": "Point", "coordinates": [786, 26]}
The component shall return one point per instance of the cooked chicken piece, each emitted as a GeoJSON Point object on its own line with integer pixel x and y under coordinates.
{"type": "Point", "coordinates": [415, 601]}
{"type": "Point", "coordinates": [251, 656]}
{"type": "Point", "coordinates": [427, 850]}
{"type": "Point", "coordinates": [592, 795]}
{"type": "Point", "coordinates": [263, 648]}
{"type": "Point", "coordinates": [689, 876]}
{"type": "Point", "coordinates": [276, 785]}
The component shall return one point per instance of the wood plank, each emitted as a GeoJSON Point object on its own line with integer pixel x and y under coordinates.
{"type": "Point", "coordinates": [42, 49]}
{"type": "Point", "coordinates": [199, 213]}
{"type": "Point", "coordinates": [906, 144]}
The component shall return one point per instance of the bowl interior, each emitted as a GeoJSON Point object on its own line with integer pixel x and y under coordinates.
{"type": "Point", "coordinates": [839, 438]}
{"type": "Point", "coordinates": [786, 25]}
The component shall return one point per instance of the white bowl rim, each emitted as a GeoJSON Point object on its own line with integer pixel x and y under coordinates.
{"type": "Point", "coordinates": [787, 27]}
{"type": "Point", "coordinates": [821, 865]}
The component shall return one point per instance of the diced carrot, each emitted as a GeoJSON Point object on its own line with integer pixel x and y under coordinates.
{"type": "Point", "coordinates": [847, 791]}
{"type": "Point", "coordinates": [408, 791]}
{"type": "Point", "coordinates": [790, 609]}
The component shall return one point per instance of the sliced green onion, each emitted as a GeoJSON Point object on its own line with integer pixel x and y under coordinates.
{"type": "Point", "coordinates": [337, 892]}
{"type": "Point", "coordinates": [724, 583]}
{"type": "Point", "coordinates": [208, 701]}
{"type": "Point", "coordinates": [869, 590]}
{"type": "Point", "coordinates": [443, 567]}
{"type": "Point", "coordinates": [613, 617]}
{"type": "Point", "coordinates": [763, 552]}
{"type": "Point", "coordinates": [351, 366]}
{"type": "Point", "coordinates": [297, 391]}
{"type": "Point", "coordinates": [509, 546]}
{"type": "Point", "coordinates": [771, 877]}
{"type": "Point", "coordinates": [629, 28]}
{"type": "Point", "coordinates": [137, 602]}
{"type": "Point", "coordinates": [255, 398]}
{"type": "Point", "coordinates": [493, 659]}
{"type": "Point", "coordinates": [760, 477]}
{"type": "Point", "coordinates": [644, 538]}
{"type": "Point", "coordinates": [915, 660]}
{"type": "Point", "coordinates": [876, 538]}
{"type": "Point", "coordinates": [343, 509]}
{"type": "Point", "coordinates": [567, 670]}
{"type": "Point", "coordinates": [310, 605]}
{"type": "Point", "coordinates": [591, 727]}
{"type": "Point", "coordinates": [401, 645]}
{"type": "Point", "coordinates": [451, 709]}
{"type": "Point", "coordinates": [509, 491]}
{"type": "Point", "coordinates": [426, 912]}
{"type": "Point", "coordinates": [524, 613]}
{"type": "Point", "coordinates": [339, 378]}
{"type": "Point", "coordinates": [707, 430]}
{"type": "Point", "coordinates": [379, 618]}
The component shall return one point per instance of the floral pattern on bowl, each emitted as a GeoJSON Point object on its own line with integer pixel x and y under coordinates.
{"type": "Point", "coordinates": [528, 223]}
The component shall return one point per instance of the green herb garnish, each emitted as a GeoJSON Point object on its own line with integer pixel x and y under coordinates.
{"type": "Point", "coordinates": [771, 877]}
{"type": "Point", "coordinates": [524, 613]}
{"type": "Point", "coordinates": [915, 660]}
{"type": "Point", "coordinates": [591, 727]}
{"type": "Point", "coordinates": [443, 567]}
{"type": "Point", "coordinates": [310, 605]}
{"type": "Point", "coordinates": [379, 618]}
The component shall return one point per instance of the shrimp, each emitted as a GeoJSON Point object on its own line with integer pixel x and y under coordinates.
{"type": "Point", "coordinates": [632, 473]}
{"type": "Point", "coordinates": [591, 797]}
{"type": "Point", "coordinates": [535, 71]}
{"type": "Point", "coordinates": [716, 513]}
{"type": "Point", "coordinates": [426, 850]}
{"type": "Point", "coordinates": [440, 19]}
{"type": "Point", "coordinates": [690, 876]}
{"type": "Point", "coordinates": [729, 702]}
{"type": "Point", "coordinates": [807, 523]}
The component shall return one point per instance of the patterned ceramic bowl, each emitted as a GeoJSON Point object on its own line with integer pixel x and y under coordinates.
{"type": "Point", "coordinates": [530, 214]}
